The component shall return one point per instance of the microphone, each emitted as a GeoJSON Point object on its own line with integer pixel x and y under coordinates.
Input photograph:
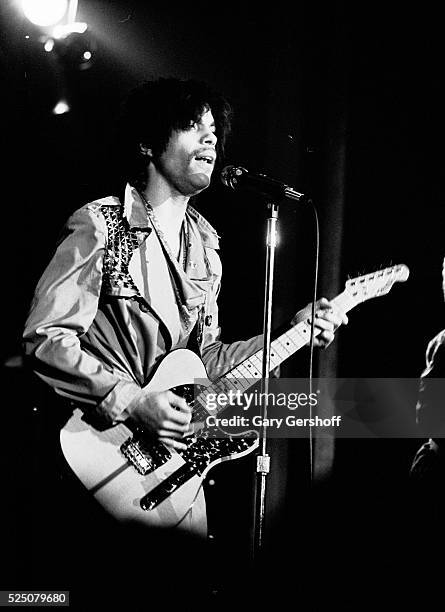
{"type": "Point", "coordinates": [238, 177]}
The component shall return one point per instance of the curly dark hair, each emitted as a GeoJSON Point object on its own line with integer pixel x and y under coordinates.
{"type": "Point", "coordinates": [154, 109]}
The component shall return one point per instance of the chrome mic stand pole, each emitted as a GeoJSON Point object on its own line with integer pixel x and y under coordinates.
{"type": "Point", "coordinates": [263, 459]}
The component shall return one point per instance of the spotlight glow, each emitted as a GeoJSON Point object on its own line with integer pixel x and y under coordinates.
{"type": "Point", "coordinates": [44, 12]}
{"type": "Point", "coordinates": [62, 31]}
{"type": "Point", "coordinates": [61, 108]}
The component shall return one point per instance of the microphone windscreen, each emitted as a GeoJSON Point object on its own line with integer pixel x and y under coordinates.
{"type": "Point", "coordinates": [225, 175]}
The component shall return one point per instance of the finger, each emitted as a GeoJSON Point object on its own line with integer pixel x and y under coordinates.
{"type": "Point", "coordinates": [340, 317]}
{"type": "Point", "coordinates": [178, 402]}
{"type": "Point", "coordinates": [175, 444]}
{"type": "Point", "coordinates": [171, 431]}
{"type": "Point", "coordinates": [181, 419]}
{"type": "Point", "coordinates": [324, 323]}
{"type": "Point", "coordinates": [324, 339]}
{"type": "Point", "coordinates": [333, 316]}
{"type": "Point", "coordinates": [325, 305]}
{"type": "Point", "coordinates": [175, 421]}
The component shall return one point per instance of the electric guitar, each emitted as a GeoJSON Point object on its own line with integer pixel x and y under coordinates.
{"type": "Point", "coordinates": [137, 478]}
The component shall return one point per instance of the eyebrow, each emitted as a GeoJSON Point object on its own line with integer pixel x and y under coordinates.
{"type": "Point", "coordinates": [211, 125]}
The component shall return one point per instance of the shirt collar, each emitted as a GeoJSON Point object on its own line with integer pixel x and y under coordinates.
{"type": "Point", "coordinates": [134, 209]}
{"type": "Point", "coordinates": [136, 214]}
{"type": "Point", "coordinates": [209, 236]}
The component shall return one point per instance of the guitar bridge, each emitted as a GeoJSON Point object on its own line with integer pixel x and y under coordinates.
{"type": "Point", "coordinates": [145, 456]}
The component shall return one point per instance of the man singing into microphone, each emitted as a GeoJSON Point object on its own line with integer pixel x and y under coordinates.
{"type": "Point", "coordinates": [136, 276]}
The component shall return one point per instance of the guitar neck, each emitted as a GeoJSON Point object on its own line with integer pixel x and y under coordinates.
{"type": "Point", "coordinates": [243, 376]}
{"type": "Point", "coordinates": [285, 345]}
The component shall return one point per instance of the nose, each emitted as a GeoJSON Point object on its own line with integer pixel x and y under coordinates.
{"type": "Point", "coordinates": [209, 137]}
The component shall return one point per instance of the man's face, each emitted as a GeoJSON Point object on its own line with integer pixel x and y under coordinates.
{"type": "Point", "coordinates": [188, 161]}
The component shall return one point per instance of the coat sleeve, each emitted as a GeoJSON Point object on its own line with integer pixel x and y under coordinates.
{"type": "Point", "coordinates": [64, 306]}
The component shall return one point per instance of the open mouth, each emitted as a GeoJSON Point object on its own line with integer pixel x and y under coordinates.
{"type": "Point", "coordinates": [205, 158]}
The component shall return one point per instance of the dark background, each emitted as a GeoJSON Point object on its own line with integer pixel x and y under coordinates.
{"type": "Point", "coordinates": [345, 102]}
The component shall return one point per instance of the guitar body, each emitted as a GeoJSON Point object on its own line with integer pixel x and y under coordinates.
{"type": "Point", "coordinates": [97, 459]}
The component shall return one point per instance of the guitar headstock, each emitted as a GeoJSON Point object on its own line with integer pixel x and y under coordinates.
{"type": "Point", "coordinates": [377, 283]}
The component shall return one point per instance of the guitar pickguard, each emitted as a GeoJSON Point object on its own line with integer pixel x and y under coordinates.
{"type": "Point", "coordinates": [146, 454]}
{"type": "Point", "coordinates": [201, 454]}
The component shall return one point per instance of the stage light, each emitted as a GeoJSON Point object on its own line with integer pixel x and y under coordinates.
{"type": "Point", "coordinates": [44, 12]}
{"type": "Point", "coordinates": [61, 108]}
{"type": "Point", "coordinates": [49, 45]}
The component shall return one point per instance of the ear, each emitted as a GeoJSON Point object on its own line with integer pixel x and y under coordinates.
{"type": "Point", "coordinates": [146, 151]}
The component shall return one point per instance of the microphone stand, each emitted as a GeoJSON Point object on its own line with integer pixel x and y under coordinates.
{"type": "Point", "coordinates": [263, 459]}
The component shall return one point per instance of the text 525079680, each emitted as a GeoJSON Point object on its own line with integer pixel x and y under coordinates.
{"type": "Point", "coordinates": [34, 598]}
